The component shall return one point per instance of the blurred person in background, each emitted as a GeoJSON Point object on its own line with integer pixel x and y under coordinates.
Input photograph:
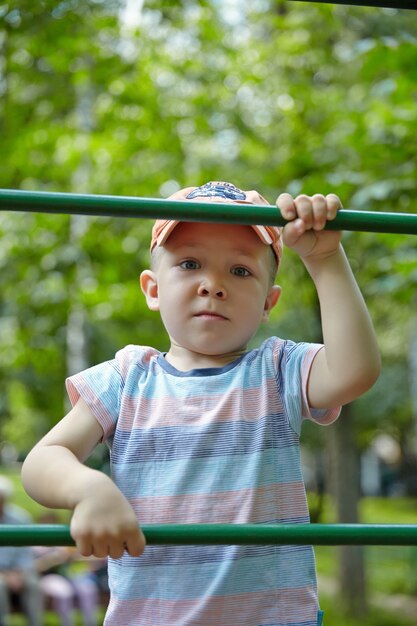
{"type": "Point", "coordinates": [65, 589]}
{"type": "Point", "coordinates": [19, 581]}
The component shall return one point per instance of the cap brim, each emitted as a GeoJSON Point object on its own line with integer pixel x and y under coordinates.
{"type": "Point", "coordinates": [165, 232]}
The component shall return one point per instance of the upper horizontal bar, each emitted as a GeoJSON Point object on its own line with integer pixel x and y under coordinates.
{"type": "Point", "coordinates": [382, 4]}
{"type": "Point", "coordinates": [191, 211]}
{"type": "Point", "coordinates": [229, 534]}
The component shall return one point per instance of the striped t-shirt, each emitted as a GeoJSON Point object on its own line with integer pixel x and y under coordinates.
{"type": "Point", "coordinates": [214, 445]}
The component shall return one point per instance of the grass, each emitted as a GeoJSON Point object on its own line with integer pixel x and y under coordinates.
{"type": "Point", "coordinates": [332, 618]}
{"type": "Point", "coordinates": [52, 619]}
{"type": "Point", "coordinates": [390, 569]}
{"type": "Point", "coordinates": [375, 617]}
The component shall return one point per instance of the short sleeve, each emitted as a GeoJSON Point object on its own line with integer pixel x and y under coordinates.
{"type": "Point", "coordinates": [296, 365]}
{"type": "Point", "coordinates": [101, 387]}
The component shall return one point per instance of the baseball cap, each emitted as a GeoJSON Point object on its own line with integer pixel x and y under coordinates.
{"type": "Point", "coordinates": [217, 191]}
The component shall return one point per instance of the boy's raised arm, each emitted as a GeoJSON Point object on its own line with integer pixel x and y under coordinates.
{"type": "Point", "coordinates": [103, 522]}
{"type": "Point", "coordinates": [349, 364]}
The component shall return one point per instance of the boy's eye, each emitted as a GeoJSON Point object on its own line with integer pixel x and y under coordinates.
{"type": "Point", "coordinates": [240, 271]}
{"type": "Point", "coordinates": [189, 264]}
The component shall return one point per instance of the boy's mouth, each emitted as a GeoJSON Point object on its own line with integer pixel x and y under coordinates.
{"type": "Point", "coordinates": [210, 315]}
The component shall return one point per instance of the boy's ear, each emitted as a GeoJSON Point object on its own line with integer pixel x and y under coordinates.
{"type": "Point", "coordinates": [149, 286]}
{"type": "Point", "coordinates": [271, 300]}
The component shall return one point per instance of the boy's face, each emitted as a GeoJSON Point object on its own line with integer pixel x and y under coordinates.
{"type": "Point", "coordinates": [212, 287]}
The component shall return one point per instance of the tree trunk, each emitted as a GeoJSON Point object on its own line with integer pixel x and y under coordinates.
{"type": "Point", "coordinates": [409, 445]}
{"type": "Point", "coordinates": [76, 340]}
{"type": "Point", "coordinates": [345, 474]}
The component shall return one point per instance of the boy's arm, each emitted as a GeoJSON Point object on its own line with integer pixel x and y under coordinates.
{"type": "Point", "coordinates": [103, 522]}
{"type": "Point", "coordinates": [349, 364]}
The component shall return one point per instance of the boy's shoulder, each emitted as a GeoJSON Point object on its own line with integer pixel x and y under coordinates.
{"type": "Point", "coordinates": [133, 354]}
{"type": "Point", "coordinates": [274, 345]}
{"type": "Point", "coordinates": [282, 352]}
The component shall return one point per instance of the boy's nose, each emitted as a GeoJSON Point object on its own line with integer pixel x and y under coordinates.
{"type": "Point", "coordinates": [211, 287]}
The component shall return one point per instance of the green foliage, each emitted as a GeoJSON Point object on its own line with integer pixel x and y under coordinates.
{"type": "Point", "coordinates": [378, 616]}
{"type": "Point", "coordinates": [274, 95]}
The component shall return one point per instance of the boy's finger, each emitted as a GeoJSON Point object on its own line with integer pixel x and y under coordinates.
{"type": "Point", "coordinates": [333, 205]}
{"type": "Point", "coordinates": [135, 544]}
{"type": "Point", "coordinates": [285, 203]}
{"type": "Point", "coordinates": [293, 231]}
{"type": "Point", "coordinates": [115, 550]}
{"type": "Point", "coordinates": [102, 549]}
{"type": "Point", "coordinates": [84, 547]}
{"type": "Point", "coordinates": [304, 207]}
{"type": "Point", "coordinates": [319, 211]}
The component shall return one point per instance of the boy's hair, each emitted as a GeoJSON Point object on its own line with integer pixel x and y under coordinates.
{"type": "Point", "coordinates": [215, 191]}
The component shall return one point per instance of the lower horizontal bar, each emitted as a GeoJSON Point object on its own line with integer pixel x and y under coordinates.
{"type": "Point", "coordinates": [382, 4]}
{"type": "Point", "coordinates": [123, 206]}
{"type": "Point", "coordinates": [229, 534]}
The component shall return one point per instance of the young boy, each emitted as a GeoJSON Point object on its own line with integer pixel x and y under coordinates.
{"type": "Point", "coordinates": [209, 432]}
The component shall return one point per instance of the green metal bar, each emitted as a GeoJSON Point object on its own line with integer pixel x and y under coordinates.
{"type": "Point", "coordinates": [382, 4]}
{"type": "Point", "coordinates": [123, 206]}
{"type": "Point", "coordinates": [230, 534]}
